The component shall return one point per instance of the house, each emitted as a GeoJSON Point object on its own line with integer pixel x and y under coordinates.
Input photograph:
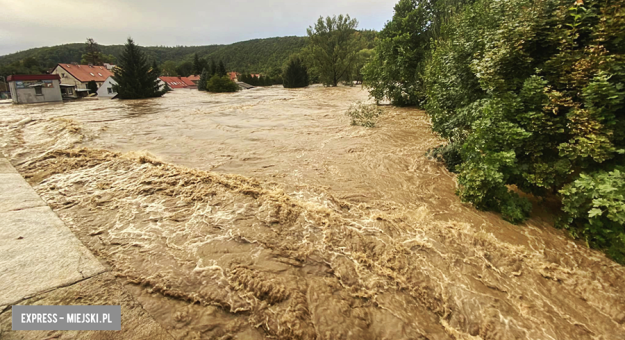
{"type": "Point", "coordinates": [233, 76]}
{"type": "Point", "coordinates": [191, 81]}
{"type": "Point", "coordinates": [74, 77]}
{"type": "Point", "coordinates": [106, 90]}
{"type": "Point", "coordinates": [39, 88]}
{"type": "Point", "coordinates": [175, 83]}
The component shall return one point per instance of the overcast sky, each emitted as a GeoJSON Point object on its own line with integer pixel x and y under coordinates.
{"type": "Point", "coordinates": [35, 23]}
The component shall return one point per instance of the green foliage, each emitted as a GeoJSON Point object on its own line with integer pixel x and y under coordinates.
{"type": "Point", "coordinates": [134, 76]}
{"type": "Point", "coordinates": [334, 46]}
{"type": "Point", "coordinates": [184, 69]}
{"type": "Point", "coordinates": [395, 71]}
{"type": "Point", "coordinates": [92, 86]}
{"type": "Point", "coordinates": [531, 94]}
{"type": "Point", "coordinates": [219, 84]}
{"type": "Point", "coordinates": [199, 64]}
{"type": "Point", "coordinates": [364, 114]}
{"type": "Point", "coordinates": [93, 55]}
{"type": "Point", "coordinates": [221, 69]}
{"type": "Point", "coordinates": [595, 208]}
{"type": "Point", "coordinates": [201, 85]}
{"type": "Point", "coordinates": [168, 69]}
{"type": "Point", "coordinates": [295, 73]}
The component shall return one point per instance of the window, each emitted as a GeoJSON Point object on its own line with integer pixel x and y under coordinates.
{"type": "Point", "coordinates": [93, 75]}
{"type": "Point", "coordinates": [63, 75]}
{"type": "Point", "coordinates": [110, 89]}
{"type": "Point", "coordinates": [100, 74]}
{"type": "Point", "coordinates": [38, 91]}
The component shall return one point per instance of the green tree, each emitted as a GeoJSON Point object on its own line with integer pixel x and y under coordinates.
{"type": "Point", "coordinates": [184, 69]}
{"type": "Point", "coordinates": [219, 84]}
{"type": "Point", "coordinates": [93, 55]}
{"type": "Point", "coordinates": [197, 66]}
{"type": "Point", "coordinates": [221, 69]}
{"type": "Point", "coordinates": [213, 68]}
{"type": "Point", "coordinates": [333, 47]}
{"type": "Point", "coordinates": [201, 86]}
{"type": "Point", "coordinates": [134, 77]}
{"type": "Point", "coordinates": [295, 73]}
{"type": "Point", "coordinates": [92, 86]}
{"type": "Point", "coordinates": [395, 70]}
{"type": "Point", "coordinates": [168, 68]}
{"type": "Point", "coordinates": [531, 94]}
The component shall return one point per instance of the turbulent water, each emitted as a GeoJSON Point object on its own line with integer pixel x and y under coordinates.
{"type": "Point", "coordinates": [264, 214]}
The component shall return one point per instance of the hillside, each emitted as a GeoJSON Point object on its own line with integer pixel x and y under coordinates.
{"type": "Point", "coordinates": [258, 55]}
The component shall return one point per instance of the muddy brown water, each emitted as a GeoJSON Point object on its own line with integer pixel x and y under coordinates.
{"type": "Point", "coordinates": [264, 214]}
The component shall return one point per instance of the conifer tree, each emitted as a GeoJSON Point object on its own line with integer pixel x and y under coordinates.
{"type": "Point", "coordinates": [201, 86]}
{"type": "Point", "coordinates": [213, 68]}
{"type": "Point", "coordinates": [92, 86]}
{"type": "Point", "coordinates": [295, 74]}
{"type": "Point", "coordinates": [221, 71]}
{"type": "Point", "coordinates": [197, 67]}
{"type": "Point", "coordinates": [134, 77]}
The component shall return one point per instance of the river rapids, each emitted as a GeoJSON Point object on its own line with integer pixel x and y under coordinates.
{"type": "Point", "coordinates": [265, 214]}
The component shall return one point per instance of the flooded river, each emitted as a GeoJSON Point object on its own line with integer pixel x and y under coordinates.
{"type": "Point", "coordinates": [264, 214]}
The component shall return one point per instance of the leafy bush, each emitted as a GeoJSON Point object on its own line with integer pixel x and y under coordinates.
{"type": "Point", "coordinates": [595, 208]}
{"type": "Point", "coordinates": [528, 93]}
{"type": "Point", "coordinates": [533, 92]}
{"type": "Point", "coordinates": [219, 84]}
{"type": "Point", "coordinates": [364, 114]}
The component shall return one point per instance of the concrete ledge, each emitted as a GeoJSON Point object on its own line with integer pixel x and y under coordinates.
{"type": "Point", "coordinates": [17, 194]}
{"type": "Point", "coordinates": [6, 167]}
{"type": "Point", "coordinates": [38, 253]}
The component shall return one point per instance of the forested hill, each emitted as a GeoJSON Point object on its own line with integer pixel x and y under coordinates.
{"type": "Point", "coordinates": [259, 55]}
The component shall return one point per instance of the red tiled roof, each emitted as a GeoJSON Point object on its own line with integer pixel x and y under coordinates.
{"type": "Point", "coordinates": [34, 77]}
{"type": "Point", "coordinates": [85, 73]}
{"type": "Point", "coordinates": [233, 75]}
{"type": "Point", "coordinates": [194, 78]}
{"type": "Point", "coordinates": [174, 82]}
{"type": "Point", "coordinates": [188, 81]}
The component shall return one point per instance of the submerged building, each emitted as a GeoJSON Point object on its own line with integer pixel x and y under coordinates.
{"type": "Point", "coordinates": [38, 88]}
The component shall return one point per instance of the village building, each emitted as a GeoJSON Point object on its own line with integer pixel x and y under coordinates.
{"type": "Point", "coordinates": [74, 77]}
{"type": "Point", "coordinates": [106, 89]}
{"type": "Point", "coordinates": [191, 81]}
{"type": "Point", "coordinates": [30, 89]}
{"type": "Point", "coordinates": [175, 83]}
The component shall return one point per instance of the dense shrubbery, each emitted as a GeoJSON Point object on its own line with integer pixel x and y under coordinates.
{"type": "Point", "coordinates": [528, 93]}
{"type": "Point", "coordinates": [221, 84]}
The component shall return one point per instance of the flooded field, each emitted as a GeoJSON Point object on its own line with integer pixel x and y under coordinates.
{"type": "Point", "coordinates": [264, 214]}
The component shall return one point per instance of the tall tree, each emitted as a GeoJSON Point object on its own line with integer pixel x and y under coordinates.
{"type": "Point", "coordinates": [169, 68]}
{"type": "Point", "coordinates": [221, 70]}
{"type": "Point", "coordinates": [185, 69]}
{"type": "Point", "coordinates": [295, 74]}
{"type": "Point", "coordinates": [201, 86]}
{"type": "Point", "coordinates": [197, 65]}
{"type": "Point", "coordinates": [213, 68]}
{"type": "Point", "coordinates": [134, 77]}
{"type": "Point", "coordinates": [333, 47]}
{"type": "Point", "coordinates": [92, 55]}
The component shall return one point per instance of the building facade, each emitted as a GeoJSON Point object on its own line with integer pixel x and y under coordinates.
{"type": "Point", "coordinates": [106, 89]}
{"type": "Point", "coordinates": [78, 76]}
{"type": "Point", "coordinates": [30, 89]}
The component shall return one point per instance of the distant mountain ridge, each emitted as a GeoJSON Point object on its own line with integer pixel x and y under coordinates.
{"type": "Point", "coordinates": [257, 55]}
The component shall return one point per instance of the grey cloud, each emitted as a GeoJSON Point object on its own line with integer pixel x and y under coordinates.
{"type": "Point", "coordinates": [34, 23]}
